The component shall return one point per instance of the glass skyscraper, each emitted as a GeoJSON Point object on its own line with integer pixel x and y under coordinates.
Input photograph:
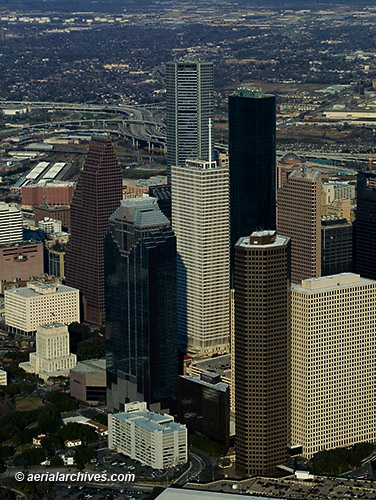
{"type": "Point", "coordinates": [140, 290]}
{"type": "Point", "coordinates": [189, 95]}
{"type": "Point", "coordinates": [252, 162]}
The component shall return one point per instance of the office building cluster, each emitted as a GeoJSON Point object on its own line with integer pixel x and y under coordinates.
{"type": "Point", "coordinates": [241, 260]}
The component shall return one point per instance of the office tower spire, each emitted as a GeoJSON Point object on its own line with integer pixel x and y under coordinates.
{"type": "Point", "coordinates": [140, 285]}
{"type": "Point", "coordinates": [98, 194]}
{"type": "Point", "coordinates": [200, 219]}
{"type": "Point", "coordinates": [189, 96]}
{"type": "Point", "coordinates": [252, 162]}
{"type": "Point", "coordinates": [262, 313]}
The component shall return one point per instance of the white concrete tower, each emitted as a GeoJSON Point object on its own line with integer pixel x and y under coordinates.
{"type": "Point", "coordinates": [200, 220]}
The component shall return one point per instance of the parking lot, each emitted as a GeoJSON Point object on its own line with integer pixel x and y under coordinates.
{"type": "Point", "coordinates": [93, 493]}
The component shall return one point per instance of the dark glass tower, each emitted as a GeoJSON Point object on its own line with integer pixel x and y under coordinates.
{"type": "Point", "coordinates": [98, 194]}
{"type": "Point", "coordinates": [189, 96]}
{"type": "Point", "coordinates": [140, 285]}
{"type": "Point", "coordinates": [252, 162]}
{"type": "Point", "coordinates": [365, 225]}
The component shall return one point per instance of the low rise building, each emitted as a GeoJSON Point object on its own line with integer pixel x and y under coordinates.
{"type": "Point", "coordinates": [37, 441]}
{"type": "Point", "coordinates": [153, 439]}
{"type": "Point", "coordinates": [52, 357]}
{"type": "Point", "coordinates": [88, 381]}
{"type": "Point", "coordinates": [20, 262]}
{"type": "Point", "coordinates": [40, 303]}
{"type": "Point", "coordinates": [72, 443]}
{"type": "Point", "coordinates": [3, 378]}
{"type": "Point", "coordinates": [49, 225]}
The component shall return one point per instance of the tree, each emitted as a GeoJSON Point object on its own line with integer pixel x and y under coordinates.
{"type": "Point", "coordinates": [83, 455]}
{"type": "Point", "coordinates": [56, 461]}
{"type": "Point", "coordinates": [92, 348]}
{"type": "Point", "coordinates": [61, 400]}
{"type": "Point", "coordinates": [78, 431]}
{"type": "Point", "coordinates": [48, 421]}
{"type": "Point", "coordinates": [51, 443]}
{"type": "Point", "coordinates": [33, 456]}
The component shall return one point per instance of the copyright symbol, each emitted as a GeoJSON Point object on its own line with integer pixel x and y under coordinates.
{"type": "Point", "coordinates": [20, 476]}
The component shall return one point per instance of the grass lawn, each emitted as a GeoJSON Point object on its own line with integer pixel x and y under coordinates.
{"type": "Point", "coordinates": [28, 403]}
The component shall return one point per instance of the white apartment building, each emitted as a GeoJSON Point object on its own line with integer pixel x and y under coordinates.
{"type": "Point", "coordinates": [49, 225]}
{"type": "Point", "coordinates": [201, 223]}
{"type": "Point", "coordinates": [3, 378]}
{"type": "Point", "coordinates": [333, 367]}
{"type": "Point", "coordinates": [151, 438]}
{"type": "Point", "coordinates": [39, 303]}
{"type": "Point", "coordinates": [10, 224]}
{"type": "Point", "coordinates": [52, 357]}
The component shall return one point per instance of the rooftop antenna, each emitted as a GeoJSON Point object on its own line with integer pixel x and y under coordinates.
{"type": "Point", "coordinates": [210, 140]}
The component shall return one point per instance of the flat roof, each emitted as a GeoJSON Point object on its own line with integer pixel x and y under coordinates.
{"type": "Point", "coordinates": [343, 280]}
{"type": "Point", "coordinates": [279, 241]}
{"type": "Point", "coordinates": [185, 494]}
{"type": "Point", "coordinates": [29, 292]}
{"type": "Point", "coordinates": [90, 366]}
{"type": "Point", "coordinates": [150, 421]}
{"type": "Point", "coordinates": [219, 364]}
{"type": "Point", "coordinates": [219, 386]}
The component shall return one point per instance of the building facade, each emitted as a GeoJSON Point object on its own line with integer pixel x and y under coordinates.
{"type": "Point", "coordinates": [365, 237]}
{"type": "Point", "coordinates": [189, 102]}
{"type": "Point", "coordinates": [20, 262]}
{"type": "Point", "coordinates": [88, 381]}
{"type": "Point", "coordinates": [332, 362]}
{"type": "Point", "coordinates": [200, 219]}
{"type": "Point", "coordinates": [252, 162]}
{"type": "Point", "coordinates": [151, 438]}
{"type": "Point", "coordinates": [299, 217]}
{"type": "Point", "coordinates": [140, 285]}
{"type": "Point", "coordinates": [52, 357]}
{"type": "Point", "coordinates": [262, 323]}
{"type": "Point", "coordinates": [98, 194]}
{"type": "Point", "coordinates": [51, 194]}
{"type": "Point", "coordinates": [40, 303]}
{"type": "Point", "coordinates": [62, 213]}
{"type": "Point", "coordinates": [49, 225]}
{"type": "Point", "coordinates": [10, 224]}
{"type": "Point", "coordinates": [336, 246]}
{"type": "Point", "coordinates": [204, 406]}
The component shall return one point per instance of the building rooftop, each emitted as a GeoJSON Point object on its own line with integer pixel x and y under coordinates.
{"type": "Point", "coordinates": [185, 494]}
{"type": "Point", "coordinates": [142, 212]}
{"type": "Point", "coordinates": [263, 239]}
{"type": "Point", "coordinates": [38, 289]}
{"type": "Point", "coordinates": [343, 280]}
{"type": "Point", "coordinates": [90, 366]}
{"type": "Point", "coordinates": [150, 421]}
{"type": "Point", "coordinates": [220, 386]}
{"type": "Point", "coordinates": [219, 364]}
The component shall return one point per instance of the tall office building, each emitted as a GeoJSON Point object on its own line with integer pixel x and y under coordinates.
{"type": "Point", "coordinates": [140, 285]}
{"type": "Point", "coordinates": [299, 217]}
{"type": "Point", "coordinates": [336, 246]}
{"type": "Point", "coordinates": [333, 366]}
{"type": "Point", "coordinates": [98, 194]}
{"type": "Point", "coordinates": [10, 224]}
{"type": "Point", "coordinates": [252, 162]}
{"type": "Point", "coordinates": [262, 321]}
{"type": "Point", "coordinates": [200, 219]}
{"type": "Point", "coordinates": [365, 225]}
{"type": "Point", "coordinates": [189, 96]}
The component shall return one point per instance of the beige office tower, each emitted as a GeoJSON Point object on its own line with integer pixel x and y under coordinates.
{"type": "Point", "coordinates": [299, 217]}
{"type": "Point", "coordinates": [262, 316]}
{"type": "Point", "coordinates": [200, 220]}
{"type": "Point", "coordinates": [333, 370]}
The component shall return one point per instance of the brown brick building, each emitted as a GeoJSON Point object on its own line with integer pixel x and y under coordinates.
{"type": "Point", "coordinates": [51, 194]}
{"type": "Point", "coordinates": [97, 196]}
{"type": "Point", "coordinates": [57, 213]}
{"type": "Point", "coordinates": [262, 324]}
{"type": "Point", "coordinates": [21, 261]}
{"type": "Point", "coordinates": [299, 217]}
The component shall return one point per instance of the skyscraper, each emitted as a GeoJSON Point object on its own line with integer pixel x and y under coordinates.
{"type": "Point", "coordinates": [333, 362]}
{"type": "Point", "coordinates": [252, 162]}
{"type": "Point", "coordinates": [10, 224]}
{"type": "Point", "coordinates": [140, 285]}
{"type": "Point", "coordinates": [98, 194]}
{"type": "Point", "coordinates": [299, 217]}
{"type": "Point", "coordinates": [262, 314]}
{"type": "Point", "coordinates": [189, 96]}
{"type": "Point", "coordinates": [365, 225]}
{"type": "Point", "coordinates": [200, 219]}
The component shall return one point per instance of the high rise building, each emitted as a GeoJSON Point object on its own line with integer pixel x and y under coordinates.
{"type": "Point", "coordinates": [10, 224]}
{"type": "Point", "coordinates": [200, 219]}
{"type": "Point", "coordinates": [98, 194]}
{"type": "Point", "coordinates": [333, 332]}
{"type": "Point", "coordinates": [40, 303]}
{"type": "Point", "coordinates": [299, 217]}
{"type": "Point", "coordinates": [252, 162]}
{"type": "Point", "coordinates": [189, 95]}
{"type": "Point", "coordinates": [262, 322]}
{"type": "Point", "coordinates": [336, 246]}
{"type": "Point", "coordinates": [140, 284]}
{"type": "Point", "coordinates": [365, 229]}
